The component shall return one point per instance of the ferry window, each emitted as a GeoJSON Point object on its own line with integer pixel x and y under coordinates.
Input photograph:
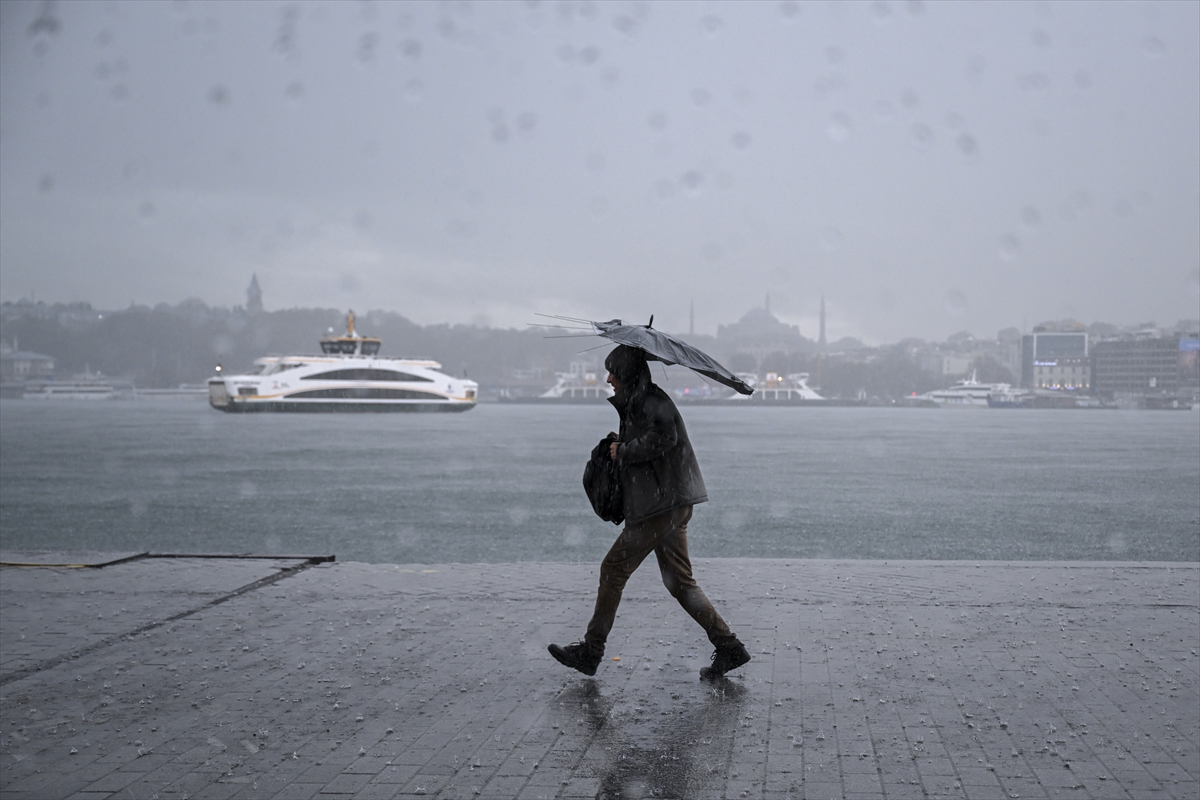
{"type": "Point", "coordinates": [363, 374]}
{"type": "Point", "coordinates": [370, 348]}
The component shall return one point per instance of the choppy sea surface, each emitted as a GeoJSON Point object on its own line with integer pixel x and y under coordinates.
{"type": "Point", "coordinates": [501, 483]}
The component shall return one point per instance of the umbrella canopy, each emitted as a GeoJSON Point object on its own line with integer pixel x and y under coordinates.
{"type": "Point", "coordinates": [664, 347]}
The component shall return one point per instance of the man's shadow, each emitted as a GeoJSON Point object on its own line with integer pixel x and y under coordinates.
{"type": "Point", "coordinates": [673, 751]}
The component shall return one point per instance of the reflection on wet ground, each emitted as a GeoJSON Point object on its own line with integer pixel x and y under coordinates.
{"type": "Point", "coordinates": [677, 748]}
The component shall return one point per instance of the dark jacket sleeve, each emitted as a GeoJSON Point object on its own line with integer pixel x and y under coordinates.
{"type": "Point", "coordinates": [656, 436]}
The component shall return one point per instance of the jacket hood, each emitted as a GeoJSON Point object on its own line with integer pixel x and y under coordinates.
{"type": "Point", "coordinates": [626, 363]}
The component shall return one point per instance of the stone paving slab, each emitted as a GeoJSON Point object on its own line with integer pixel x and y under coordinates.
{"type": "Point", "coordinates": [51, 613]}
{"type": "Point", "coordinates": [344, 680]}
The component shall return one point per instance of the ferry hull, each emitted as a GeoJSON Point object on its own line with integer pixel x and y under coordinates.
{"type": "Point", "coordinates": [319, 407]}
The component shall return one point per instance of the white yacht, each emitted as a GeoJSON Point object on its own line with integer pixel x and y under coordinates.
{"type": "Point", "coordinates": [967, 393]}
{"type": "Point", "coordinates": [347, 376]}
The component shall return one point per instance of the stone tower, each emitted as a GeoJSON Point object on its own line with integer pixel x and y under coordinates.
{"type": "Point", "coordinates": [254, 296]}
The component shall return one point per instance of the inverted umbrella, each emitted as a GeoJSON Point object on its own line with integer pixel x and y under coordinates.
{"type": "Point", "coordinates": [664, 347]}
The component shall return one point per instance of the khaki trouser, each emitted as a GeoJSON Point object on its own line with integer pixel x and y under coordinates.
{"type": "Point", "coordinates": [666, 536]}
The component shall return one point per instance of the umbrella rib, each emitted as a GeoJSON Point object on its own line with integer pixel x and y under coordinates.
{"type": "Point", "coordinates": [557, 316]}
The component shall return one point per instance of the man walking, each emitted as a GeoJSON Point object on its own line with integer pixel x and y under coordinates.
{"type": "Point", "coordinates": [660, 481]}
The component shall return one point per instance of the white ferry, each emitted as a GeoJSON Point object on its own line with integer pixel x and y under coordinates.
{"type": "Point", "coordinates": [967, 393]}
{"type": "Point", "coordinates": [348, 376]}
{"type": "Point", "coordinates": [776, 388]}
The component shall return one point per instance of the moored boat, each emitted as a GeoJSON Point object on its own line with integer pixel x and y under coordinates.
{"type": "Point", "coordinates": [85, 386]}
{"type": "Point", "coordinates": [967, 393]}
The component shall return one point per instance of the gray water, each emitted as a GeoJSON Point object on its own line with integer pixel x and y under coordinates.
{"type": "Point", "coordinates": [502, 483]}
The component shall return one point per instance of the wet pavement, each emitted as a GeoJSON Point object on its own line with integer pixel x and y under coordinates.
{"type": "Point", "coordinates": [188, 677]}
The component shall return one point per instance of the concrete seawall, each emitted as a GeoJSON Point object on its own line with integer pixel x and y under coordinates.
{"type": "Point", "coordinates": [280, 677]}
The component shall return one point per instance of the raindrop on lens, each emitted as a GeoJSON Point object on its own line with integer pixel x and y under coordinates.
{"type": "Point", "coordinates": [711, 25]}
{"type": "Point", "coordinates": [967, 145]}
{"type": "Point", "coordinates": [956, 303]}
{"type": "Point", "coordinates": [1153, 47]}
{"type": "Point", "coordinates": [1010, 246]}
{"type": "Point", "coordinates": [1034, 82]}
{"type": "Point", "coordinates": [831, 239]}
{"type": "Point", "coordinates": [921, 136]}
{"type": "Point", "coordinates": [839, 128]}
{"type": "Point", "coordinates": [1031, 216]}
{"type": "Point", "coordinates": [741, 140]}
{"type": "Point", "coordinates": [700, 97]}
{"type": "Point", "coordinates": [976, 66]}
{"type": "Point", "coordinates": [789, 10]}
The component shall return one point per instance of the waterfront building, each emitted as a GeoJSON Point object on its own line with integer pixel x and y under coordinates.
{"type": "Point", "coordinates": [1055, 359]}
{"type": "Point", "coordinates": [1146, 364]}
{"type": "Point", "coordinates": [20, 365]}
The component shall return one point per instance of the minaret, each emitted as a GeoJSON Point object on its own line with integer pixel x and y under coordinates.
{"type": "Point", "coordinates": [254, 296]}
{"type": "Point", "coordinates": [821, 339]}
{"type": "Point", "coordinates": [767, 305]}
{"type": "Point", "coordinates": [692, 319]}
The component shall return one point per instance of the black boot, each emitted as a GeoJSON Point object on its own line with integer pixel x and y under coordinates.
{"type": "Point", "coordinates": [725, 658]}
{"type": "Point", "coordinates": [577, 656]}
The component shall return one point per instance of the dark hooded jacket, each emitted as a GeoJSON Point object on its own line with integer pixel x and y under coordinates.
{"type": "Point", "coordinates": [658, 467]}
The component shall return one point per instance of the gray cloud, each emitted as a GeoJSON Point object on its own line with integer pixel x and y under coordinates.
{"type": "Point", "coordinates": [926, 167]}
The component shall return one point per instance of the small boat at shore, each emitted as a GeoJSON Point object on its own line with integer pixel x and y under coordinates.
{"type": "Point", "coordinates": [347, 376]}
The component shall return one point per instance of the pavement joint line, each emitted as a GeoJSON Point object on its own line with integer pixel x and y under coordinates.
{"type": "Point", "coordinates": [285, 572]}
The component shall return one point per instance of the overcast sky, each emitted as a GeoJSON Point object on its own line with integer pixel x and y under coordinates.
{"type": "Point", "coordinates": [926, 167]}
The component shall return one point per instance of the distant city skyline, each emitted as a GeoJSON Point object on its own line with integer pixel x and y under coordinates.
{"type": "Point", "coordinates": [254, 300]}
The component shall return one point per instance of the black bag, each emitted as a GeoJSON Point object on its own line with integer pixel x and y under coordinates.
{"type": "Point", "coordinates": [602, 483]}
